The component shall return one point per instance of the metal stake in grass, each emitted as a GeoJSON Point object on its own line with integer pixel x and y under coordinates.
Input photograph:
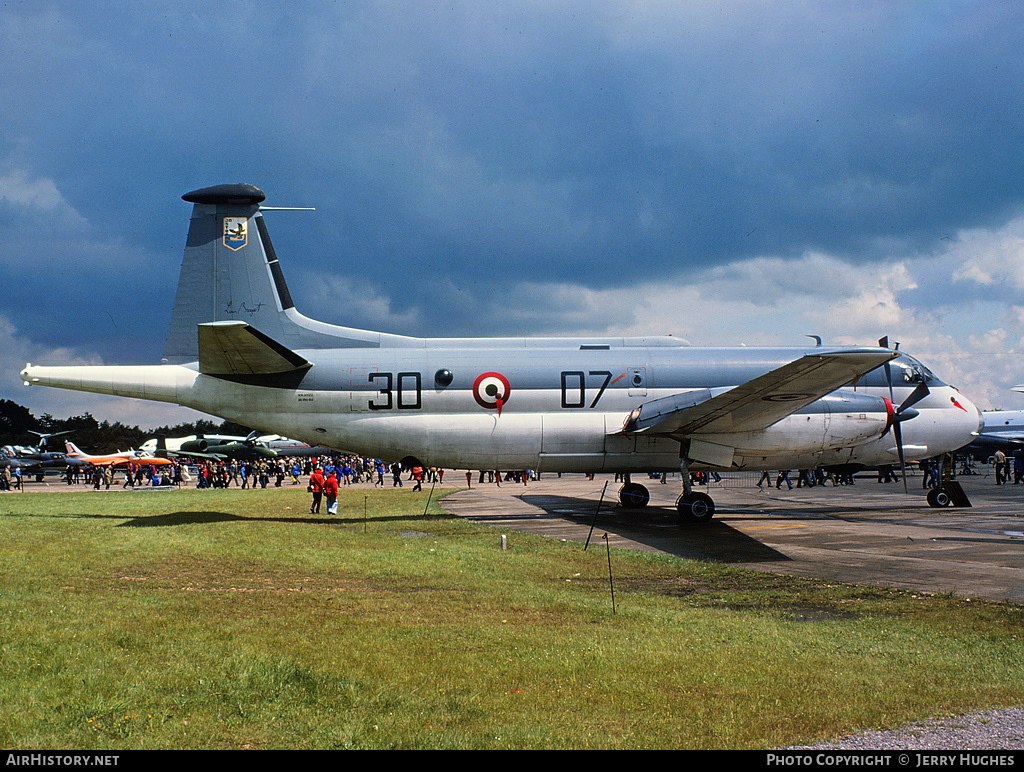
{"type": "Point", "coordinates": [611, 584]}
{"type": "Point", "coordinates": [428, 498]}
{"type": "Point", "coordinates": [596, 511]}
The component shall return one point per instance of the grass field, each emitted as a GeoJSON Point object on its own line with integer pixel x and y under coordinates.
{"type": "Point", "coordinates": [234, 619]}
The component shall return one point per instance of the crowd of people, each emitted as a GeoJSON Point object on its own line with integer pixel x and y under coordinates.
{"type": "Point", "coordinates": [240, 473]}
{"type": "Point", "coordinates": [888, 473]}
{"type": "Point", "coordinates": [327, 474]}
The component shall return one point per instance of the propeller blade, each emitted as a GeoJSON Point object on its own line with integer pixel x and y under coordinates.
{"type": "Point", "coordinates": [884, 343]}
{"type": "Point", "coordinates": [904, 412]}
{"type": "Point", "coordinates": [916, 396]}
{"type": "Point", "coordinates": [897, 433]}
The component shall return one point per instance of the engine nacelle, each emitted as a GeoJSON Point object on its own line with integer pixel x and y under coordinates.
{"type": "Point", "coordinates": [853, 418]}
{"type": "Point", "coordinates": [842, 419]}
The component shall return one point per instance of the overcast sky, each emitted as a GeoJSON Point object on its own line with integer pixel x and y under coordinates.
{"type": "Point", "coordinates": [735, 172]}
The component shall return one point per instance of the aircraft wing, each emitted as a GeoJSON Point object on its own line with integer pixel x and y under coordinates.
{"type": "Point", "coordinates": [758, 403]}
{"type": "Point", "coordinates": [186, 454]}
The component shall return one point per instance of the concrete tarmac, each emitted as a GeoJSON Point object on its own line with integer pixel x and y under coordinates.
{"type": "Point", "coordinates": [869, 533]}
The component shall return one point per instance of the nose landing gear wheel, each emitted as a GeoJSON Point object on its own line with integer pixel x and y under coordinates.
{"type": "Point", "coordinates": [695, 508]}
{"type": "Point", "coordinates": [937, 497]}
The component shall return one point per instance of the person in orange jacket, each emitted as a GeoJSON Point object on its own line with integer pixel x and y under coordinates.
{"type": "Point", "coordinates": [316, 487]}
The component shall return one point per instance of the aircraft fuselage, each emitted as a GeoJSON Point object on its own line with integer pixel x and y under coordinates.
{"type": "Point", "coordinates": [561, 410]}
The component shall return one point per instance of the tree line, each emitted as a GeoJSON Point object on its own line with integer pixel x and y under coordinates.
{"type": "Point", "coordinates": [18, 426]}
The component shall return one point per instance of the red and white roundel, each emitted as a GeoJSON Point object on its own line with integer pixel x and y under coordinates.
{"type": "Point", "coordinates": [491, 391]}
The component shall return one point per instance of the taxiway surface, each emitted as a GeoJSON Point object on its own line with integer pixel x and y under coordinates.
{"type": "Point", "coordinates": [868, 533]}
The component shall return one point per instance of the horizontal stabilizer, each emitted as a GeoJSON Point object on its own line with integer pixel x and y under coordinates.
{"type": "Point", "coordinates": [760, 402]}
{"type": "Point", "coordinates": [235, 351]}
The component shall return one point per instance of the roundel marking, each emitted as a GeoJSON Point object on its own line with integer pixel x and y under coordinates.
{"type": "Point", "coordinates": [785, 397]}
{"type": "Point", "coordinates": [491, 391]}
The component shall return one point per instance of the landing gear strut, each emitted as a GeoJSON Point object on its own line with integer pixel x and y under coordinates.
{"type": "Point", "coordinates": [948, 493]}
{"type": "Point", "coordinates": [694, 507]}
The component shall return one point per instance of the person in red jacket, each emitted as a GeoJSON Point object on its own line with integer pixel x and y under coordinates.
{"type": "Point", "coordinates": [316, 487]}
{"type": "Point", "coordinates": [331, 493]}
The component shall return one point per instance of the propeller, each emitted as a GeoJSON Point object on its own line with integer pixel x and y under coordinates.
{"type": "Point", "coordinates": [904, 412]}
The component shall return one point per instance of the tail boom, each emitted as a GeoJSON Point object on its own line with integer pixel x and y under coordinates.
{"type": "Point", "coordinates": [241, 402]}
{"type": "Point", "coordinates": [159, 383]}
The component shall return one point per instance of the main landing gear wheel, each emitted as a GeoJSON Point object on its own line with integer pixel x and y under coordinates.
{"type": "Point", "coordinates": [695, 508]}
{"type": "Point", "coordinates": [937, 497]}
{"type": "Point", "coordinates": [634, 496]}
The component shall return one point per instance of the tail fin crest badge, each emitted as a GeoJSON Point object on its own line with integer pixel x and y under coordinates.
{"type": "Point", "coordinates": [236, 230]}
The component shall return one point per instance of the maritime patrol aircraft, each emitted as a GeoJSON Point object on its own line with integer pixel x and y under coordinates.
{"type": "Point", "coordinates": [239, 349]}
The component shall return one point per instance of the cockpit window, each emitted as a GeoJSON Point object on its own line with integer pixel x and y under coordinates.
{"type": "Point", "coordinates": [905, 372]}
{"type": "Point", "coordinates": [913, 371]}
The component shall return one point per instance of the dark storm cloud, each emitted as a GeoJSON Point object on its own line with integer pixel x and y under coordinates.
{"type": "Point", "coordinates": [452, 152]}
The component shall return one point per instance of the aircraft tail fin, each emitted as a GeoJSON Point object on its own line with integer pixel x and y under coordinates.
{"type": "Point", "coordinates": [230, 272]}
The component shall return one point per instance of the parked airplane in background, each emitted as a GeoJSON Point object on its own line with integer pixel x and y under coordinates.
{"type": "Point", "coordinates": [36, 460]}
{"type": "Point", "coordinates": [1000, 430]}
{"type": "Point", "coordinates": [221, 446]}
{"type": "Point", "coordinates": [295, 448]}
{"type": "Point", "coordinates": [216, 449]}
{"type": "Point", "coordinates": [240, 350]}
{"type": "Point", "coordinates": [121, 458]}
{"type": "Point", "coordinates": [38, 453]}
{"type": "Point", "coordinates": [175, 444]}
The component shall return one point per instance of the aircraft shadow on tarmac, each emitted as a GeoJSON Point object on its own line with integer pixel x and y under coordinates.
{"type": "Point", "coordinates": [659, 528]}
